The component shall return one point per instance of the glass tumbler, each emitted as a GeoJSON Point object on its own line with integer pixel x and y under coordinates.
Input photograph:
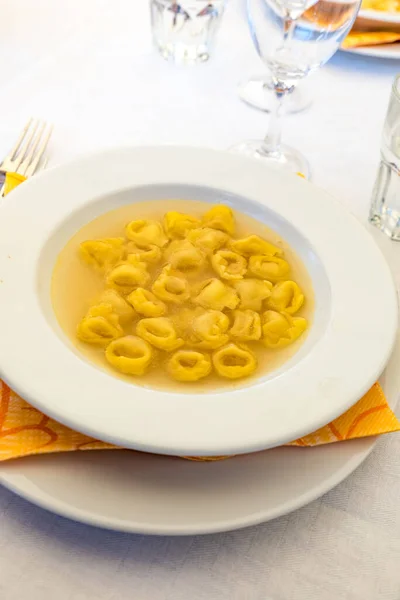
{"type": "Point", "coordinates": [385, 206]}
{"type": "Point", "coordinates": [184, 30]}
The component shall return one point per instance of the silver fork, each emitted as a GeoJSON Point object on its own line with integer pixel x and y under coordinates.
{"type": "Point", "coordinates": [28, 151]}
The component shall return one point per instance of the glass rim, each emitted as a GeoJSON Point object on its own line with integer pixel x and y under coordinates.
{"type": "Point", "coordinates": [395, 87]}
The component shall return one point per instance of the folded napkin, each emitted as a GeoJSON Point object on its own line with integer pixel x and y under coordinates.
{"type": "Point", "coordinates": [12, 180]}
{"type": "Point", "coordinates": [24, 430]}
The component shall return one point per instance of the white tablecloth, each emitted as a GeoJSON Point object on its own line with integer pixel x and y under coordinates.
{"type": "Point", "coordinates": [89, 67]}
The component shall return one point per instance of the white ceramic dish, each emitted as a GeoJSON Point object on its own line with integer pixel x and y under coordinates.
{"type": "Point", "coordinates": [378, 20]}
{"type": "Point", "coordinates": [143, 493]}
{"type": "Point", "coordinates": [355, 316]}
{"type": "Point", "coordinates": [375, 18]}
{"type": "Point", "coordinates": [387, 51]}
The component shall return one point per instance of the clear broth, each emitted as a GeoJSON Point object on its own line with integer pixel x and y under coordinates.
{"type": "Point", "coordinates": [75, 287]}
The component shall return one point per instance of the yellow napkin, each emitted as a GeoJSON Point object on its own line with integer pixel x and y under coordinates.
{"type": "Point", "coordinates": [11, 181]}
{"type": "Point", "coordinates": [24, 430]}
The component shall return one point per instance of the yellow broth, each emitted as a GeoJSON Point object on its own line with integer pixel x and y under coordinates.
{"type": "Point", "coordinates": [76, 287]}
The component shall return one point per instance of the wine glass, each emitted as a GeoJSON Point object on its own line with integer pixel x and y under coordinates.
{"type": "Point", "coordinates": [258, 92]}
{"type": "Point", "coordinates": [293, 38]}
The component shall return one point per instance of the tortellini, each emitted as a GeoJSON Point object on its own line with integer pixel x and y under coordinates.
{"type": "Point", "coordinates": [209, 329]}
{"type": "Point", "coordinates": [130, 355]}
{"type": "Point", "coordinates": [185, 257]}
{"type": "Point", "coordinates": [286, 296]}
{"type": "Point", "coordinates": [269, 267]}
{"type": "Point", "coordinates": [120, 306]}
{"type": "Point", "coordinates": [246, 325]}
{"type": "Point", "coordinates": [100, 326]}
{"type": "Point", "coordinates": [128, 275]}
{"type": "Point", "coordinates": [280, 329]}
{"type": "Point", "coordinates": [220, 217]}
{"type": "Point", "coordinates": [185, 299]}
{"type": "Point", "coordinates": [214, 294]}
{"type": "Point", "coordinates": [146, 303]}
{"type": "Point", "coordinates": [177, 224]}
{"type": "Point", "coordinates": [234, 361]}
{"type": "Point", "coordinates": [150, 254]}
{"type": "Point", "coordinates": [254, 245]}
{"type": "Point", "coordinates": [207, 240]}
{"type": "Point", "coordinates": [189, 365]}
{"type": "Point", "coordinates": [171, 287]}
{"type": "Point", "coordinates": [145, 233]}
{"type": "Point", "coordinates": [102, 254]}
{"type": "Point", "coordinates": [160, 333]}
{"type": "Point", "coordinates": [229, 265]}
{"type": "Point", "coordinates": [252, 293]}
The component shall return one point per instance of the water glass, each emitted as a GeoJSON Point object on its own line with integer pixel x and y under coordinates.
{"type": "Point", "coordinates": [184, 30]}
{"type": "Point", "coordinates": [385, 206]}
{"type": "Point", "coordinates": [293, 38]}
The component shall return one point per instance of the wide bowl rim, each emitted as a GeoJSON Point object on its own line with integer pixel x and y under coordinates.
{"type": "Point", "coordinates": [253, 418]}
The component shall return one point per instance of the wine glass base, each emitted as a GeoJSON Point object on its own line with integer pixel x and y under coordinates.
{"type": "Point", "coordinates": [258, 92]}
{"type": "Point", "coordinates": [287, 159]}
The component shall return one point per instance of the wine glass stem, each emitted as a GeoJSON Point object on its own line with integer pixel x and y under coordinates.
{"type": "Point", "coordinates": [272, 141]}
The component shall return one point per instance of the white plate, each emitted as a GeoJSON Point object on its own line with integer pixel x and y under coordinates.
{"type": "Point", "coordinates": [129, 491]}
{"type": "Point", "coordinates": [378, 17]}
{"type": "Point", "coordinates": [389, 51]}
{"type": "Point", "coordinates": [375, 19]}
{"type": "Point", "coordinates": [355, 316]}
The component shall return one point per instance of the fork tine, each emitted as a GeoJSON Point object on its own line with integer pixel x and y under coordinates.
{"type": "Point", "coordinates": [25, 145]}
{"type": "Point", "coordinates": [21, 137]}
{"type": "Point", "coordinates": [30, 170]}
{"type": "Point", "coordinates": [31, 151]}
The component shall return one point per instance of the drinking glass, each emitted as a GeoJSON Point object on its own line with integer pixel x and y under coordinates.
{"type": "Point", "coordinates": [293, 38]}
{"type": "Point", "coordinates": [258, 92]}
{"type": "Point", "coordinates": [385, 206]}
{"type": "Point", "coordinates": [184, 30]}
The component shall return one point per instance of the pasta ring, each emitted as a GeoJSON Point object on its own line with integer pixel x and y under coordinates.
{"type": "Point", "coordinates": [145, 231]}
{"type": "Point", "coordinates": [286, 296]}
{"type": "Point", "coordinates": [159, 332]}
{"type": "Point", "coordinates": [171, 287]}
{"type": "Point", "coordinates": [280, 329]}
{"type": "Point", "coordinates": [229, 265]}
{"type": "Point", "coordinates": [146, 303]}
{"type": "Point", "coordinates": [130, 355]}
{"type": "Point", "coordinates": [100, 326]}
{"type": "Point", "coordinates": [269, 267]}
{"type": "Point", "coordinates": [189, 365]}
{"type": "Point", "coordinates": [246, 325]}
{"type": "Point", "coordinates": [233, 361]}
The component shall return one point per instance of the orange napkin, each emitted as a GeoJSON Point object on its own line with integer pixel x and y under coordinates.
{"type": "Point", "coordinates": [11, 181]}
{"type": "Point", "coordinates": [25, 430]}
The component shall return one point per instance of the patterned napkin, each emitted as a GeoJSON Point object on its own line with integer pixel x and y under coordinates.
{"type": "Point", "coordinates": [25, 431]}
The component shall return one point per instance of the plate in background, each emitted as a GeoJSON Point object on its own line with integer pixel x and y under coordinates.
{"type": "Point", "coordinates": [388, 51]}
{"type": "Point", "coordinates": [378, 18]}
{"type": "Point", "coordinates": [143, 493]}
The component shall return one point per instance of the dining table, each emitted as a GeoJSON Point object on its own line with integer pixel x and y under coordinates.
{"type": "Point", "coordinates": [89, 68]}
